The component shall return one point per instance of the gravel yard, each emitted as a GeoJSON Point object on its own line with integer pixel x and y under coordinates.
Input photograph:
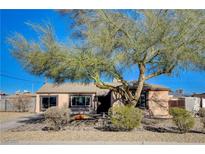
{"type": "Point", "coordinates": [151, 131]}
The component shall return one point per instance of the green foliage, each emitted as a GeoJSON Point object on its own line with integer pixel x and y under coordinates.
{"type": "Point", "coordinates": [125, 117]}
{"type": "Point", "coordinates": [162, 39]}
{"type": "Point", "coordinates": [109, 42]}
{"type": "Point", "coordinates": [202, 112]}
{"type": "Point", "coordinates": [56, 118]}
{"type": "Point", "coordinates": [182, 119]}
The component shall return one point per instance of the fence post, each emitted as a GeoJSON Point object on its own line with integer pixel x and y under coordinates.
{"type": "Point", "coordinates": [5, 104]}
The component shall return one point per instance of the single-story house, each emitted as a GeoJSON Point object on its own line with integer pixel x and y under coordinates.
{"type": "Point", "coordinates": [88, 98]}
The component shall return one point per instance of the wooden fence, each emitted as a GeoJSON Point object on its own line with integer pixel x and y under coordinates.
{"type": "Point", "coordinates": [177, 103]}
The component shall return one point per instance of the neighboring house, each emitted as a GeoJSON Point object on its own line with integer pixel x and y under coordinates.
{"type": "Point", "coordinates": [202, 99]}
{"type": "Point", "coordinates": [88, 98]}
{"type": "Point", "coordinates": [192, 103]}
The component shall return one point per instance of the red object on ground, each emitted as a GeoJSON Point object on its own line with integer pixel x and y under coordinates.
{"type": "Point", "coordinates": [80, 117]}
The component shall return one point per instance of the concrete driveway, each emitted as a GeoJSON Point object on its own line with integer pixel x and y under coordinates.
{"type": "Point", "coordinates": [4, 126]}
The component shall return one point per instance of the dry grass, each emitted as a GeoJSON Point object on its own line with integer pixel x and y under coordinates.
{"type": "Point", "coordinates": [86, 137]}
{"type": "Point", "coordinates": [6, 116]}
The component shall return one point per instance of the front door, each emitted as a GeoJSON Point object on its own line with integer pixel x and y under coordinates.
{"type": "Point", "coordinates": [104, 103]}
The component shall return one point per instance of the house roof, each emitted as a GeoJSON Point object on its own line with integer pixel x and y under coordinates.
{"type": "Point", "coordinates": [89, 88]}
{"type": "Point", "coordinates": [72, 88]}
{"type": "Point", "coordinates": [23, 95]}
{"type": "Point", "coordinates": [154, 87]}
{"type": "Point", "coordinates": [202, 95]}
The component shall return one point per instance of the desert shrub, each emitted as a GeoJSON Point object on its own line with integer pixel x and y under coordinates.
{"type": "Point", "coordinates": [202, 112]}
{"type": "Point", "coordinates": [21, 103]}
{"type": "Point", "coordinates": [56, 118]}
{"type": "Point", "coordinates": [125, 117]}
{"type": "Point", "coordinates": [182, 119]}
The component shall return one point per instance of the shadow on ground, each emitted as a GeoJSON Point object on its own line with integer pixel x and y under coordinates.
{"type": "Point", "coordinates": [169, 130]}
{"type": "Point", "coordinates": [112, 129]}
{"type": "Point", "coordinates": [161, 129]}
{"type": "Point", "coordinates": [37, 119]}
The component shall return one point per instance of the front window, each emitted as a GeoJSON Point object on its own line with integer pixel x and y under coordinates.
{"type": "Point", "coordinates": [48, 101]}
{"type": "Point", "coordinates": [80, 100]}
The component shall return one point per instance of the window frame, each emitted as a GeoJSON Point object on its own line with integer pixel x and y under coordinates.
{"type": "Point", "coordinates": [80, 95]}
{"type": "Point", "coordinates": [47, 96]}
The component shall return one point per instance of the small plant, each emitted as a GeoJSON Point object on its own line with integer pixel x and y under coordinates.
{"type": "Point", "coordinates": [202, 112]}
{"type": "Point", "coordinates": [56, 118]}
{"type": "Point", "coordinates": [182, 119]}
{"type": "Point", "coordinates": [125, 117]}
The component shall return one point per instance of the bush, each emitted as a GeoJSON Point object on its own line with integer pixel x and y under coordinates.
{"type": "Point", "coordinates": [125, 117]}
{"type": "Point", "coordinates": [56, 118]}
{"type": "Point", "coordinates": [203, 121]}
{"type": "Point", "coordinates": [202, 112]}
{"type": "Point", "coordinates": [21, 103]}
{"type": "Point", "coordinates": [182, 119]}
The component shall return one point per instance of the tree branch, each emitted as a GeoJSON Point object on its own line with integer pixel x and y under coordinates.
{"type": "Point", "coordinates": [119, 27]}
{"type": "Point", "coordinates": [163, 71]}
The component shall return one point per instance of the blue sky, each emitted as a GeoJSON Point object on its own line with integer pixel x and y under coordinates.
{"type": "Point", "coordinates": [14, 77]}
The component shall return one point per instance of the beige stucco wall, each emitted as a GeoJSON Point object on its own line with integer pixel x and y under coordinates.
{"type": "Point", "coordinates": [37, 103]}
{"type": "Point", "coordinates": [63, 99]}
{"type": "Point", "coordinates": [158, 103]}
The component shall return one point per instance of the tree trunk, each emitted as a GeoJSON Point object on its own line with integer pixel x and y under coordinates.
{"type": "Point", "coordinates": [140, 84]}
{"type": "Point", "coordinates": [125, 91]}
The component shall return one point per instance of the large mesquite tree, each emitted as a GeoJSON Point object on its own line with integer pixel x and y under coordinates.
{"type": "Point", "coordinates": [107, 42]}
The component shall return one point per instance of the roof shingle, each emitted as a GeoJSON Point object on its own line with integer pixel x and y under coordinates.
{"type": "Point", "coordinates": [71, 88]}
{"type": "Point", "coordinates": [88, 88]}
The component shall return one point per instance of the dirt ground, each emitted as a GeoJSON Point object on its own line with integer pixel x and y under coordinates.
{"type": "Point", "coordinates": [151, 131]}
{"type": "Point", "coordinates": [7, 116]}
{"type": "Point", "coordinates": [86, 137]}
